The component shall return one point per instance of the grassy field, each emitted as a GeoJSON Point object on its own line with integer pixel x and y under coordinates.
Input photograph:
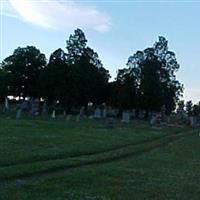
{"type": "Point", "coordinates": [55, 160]}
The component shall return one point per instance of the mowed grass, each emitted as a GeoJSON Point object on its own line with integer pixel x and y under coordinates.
{"type": "Point", "coordinates": [57, 160]}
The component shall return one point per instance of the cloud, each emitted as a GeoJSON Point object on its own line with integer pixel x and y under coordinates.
{"type": "Point", "coordinates": [59, 14]}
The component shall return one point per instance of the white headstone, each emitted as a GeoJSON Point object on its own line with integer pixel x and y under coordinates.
{"type": "Point", "coordinates": [6, 104]}
{"type": "Point", "coordinates": [53, 115]}
{"type": "Point", "coordinates": [125, 117]}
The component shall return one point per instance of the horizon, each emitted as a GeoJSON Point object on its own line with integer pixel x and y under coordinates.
{"type": "Point", "coordinates": [113, 36]}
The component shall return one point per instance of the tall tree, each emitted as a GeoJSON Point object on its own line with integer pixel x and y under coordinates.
{"type": "Point", "coordinates": [24, 67]}
{"type": "Point", "coordinates": [155, 70]}
{"type": "Point", "coordinates": [88, 77]}
{"type": "Point", "coordinates": [55, 78]}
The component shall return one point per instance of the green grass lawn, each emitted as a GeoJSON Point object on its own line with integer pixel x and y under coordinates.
{"type": "Point", "coordinates": [52, 159]}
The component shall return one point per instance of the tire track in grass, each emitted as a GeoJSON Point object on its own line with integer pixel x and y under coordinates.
{"type": "Point", "coordinates": [60, 170]}
{"type": "Point", "coordinates": [80, 154]}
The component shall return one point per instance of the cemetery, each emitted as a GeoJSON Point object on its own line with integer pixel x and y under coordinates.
{"type": "Point", "coordinates": [73, 128]}
{"type": "Point", "coordinates": [42, 148]}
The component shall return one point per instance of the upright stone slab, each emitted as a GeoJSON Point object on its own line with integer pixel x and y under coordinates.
{"type": "Point", "coordinates": [53, 115]}
{"type": "Point", "coordinates": [104, 113]}
{"type": "Point", "coordinates": [19, 114]}
{"type": "Point", "coordinates": [35, 111]}
{"type": "Point", "coordinates": [44, 109]}
{"type": "Point", "coordinates": [78, 118]}
{"type": "Point", "coordinates": [97, 113]}
{"type": "Point", "coordinates": [68, 118]}
{"type": "Point", "coordinates": [24, 106]}
{"type": "Point", "coordinates": [163, 113]}
{"type": "Point", "coordinates": [112, 112]}
{"type": "Point", "coordinates": [90, 110]}
{"type": "Point", "coordinates": [153, 120]}
{"type": "Point", "coordinates": [133, 113]}
{"type": "Point", "coordinates": [141, 114]}
{"type": "Point", "coordinates": [125, 117]}
{"type": "Point", "coordinates": [82, 111]}
{"type": "Point", "coordinates": [6, 104]}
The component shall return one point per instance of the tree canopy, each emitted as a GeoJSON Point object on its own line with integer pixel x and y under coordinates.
{"type": "Point", "coordinates": [76, 76]}
{"type": "Point", "coordinates": [24, 67]}
{"type": "Point", "coordinates": [151, 79]}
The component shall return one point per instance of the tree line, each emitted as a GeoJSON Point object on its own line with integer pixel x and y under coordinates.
{"type": "Point", "coordinates": [76, 76]}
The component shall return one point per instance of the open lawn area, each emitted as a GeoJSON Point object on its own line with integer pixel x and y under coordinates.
{"type": "Point", "coordinates": [58, 160]}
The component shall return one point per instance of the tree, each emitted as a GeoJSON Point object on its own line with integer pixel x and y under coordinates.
{"type": "Point", "coordinates": [189, 106]}
{"type": "Point", "coordinates": [122, 91]}
{"type": "Point", "coordinates": [55, 78]}
{"type": "Point", "coordinates": [3, 84]}
{"type": "Point", "coordinates": [155, 70]}
{"type": "Point", "coordinates": [151, 89]}
{"type": "Point", "coordinates": [76, 46]}
{"type": "Point", "coordinates": [24, 67]}
{"type": "Point", "coordinates": [196, 110]}
{"type": "Point", "coordinates": [88, 78]}
{"type": "Point", "coordinates": [88, 83]}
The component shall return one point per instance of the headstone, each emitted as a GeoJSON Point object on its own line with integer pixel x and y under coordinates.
{"type": "Point", "coordinates": [125, 117]}
{"type": "Point", "coordinates": [90, 110]}
{"type": "Point", "coordinates": [155, 119]}
{"type": "Point", "coordinates": [35, 108]}
{"type": "Point", "coordinates": [109, 122]}
{"type": "Point", "coordinates": [53, 115]}
{"type": "Point", "coordinates": [19, 113]}
{"type": "Point", "coordinates": [180, 113]}
{"type": "Point", "coordinates": [91, 117]}
{"type": "Point", "coordinates": [24, 106]}
{"type": "Point", "coordinates": [44, 108]}
{"type": "Point", "coordinates": [97, 113]}
{"type": "Point", "coordinates": [104, 113]}
{"type": "Point", "coordinates": [82, 111]}
{"type": "Point", "coordinates": [133, 113]}
{"type": "Point", "coordinates": [78, 118]}
{"type": "Point", "coordinates": [150, 115]}
{"type": "Point", "coordinates": [163, 113]}
{"type": "Point", "coordinates": [192, 121]}
{"type": "Point", "coordinates": [68, 118]}
{"type": "Point", "coordinates": [112, 112]}
{"type": "Point", "coordinates": [141, 114]}
{"type": "Point", "coordinates": [6, 104]}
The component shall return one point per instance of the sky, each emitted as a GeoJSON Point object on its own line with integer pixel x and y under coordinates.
{"type": "Point", "coordinates": [115, 29]}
